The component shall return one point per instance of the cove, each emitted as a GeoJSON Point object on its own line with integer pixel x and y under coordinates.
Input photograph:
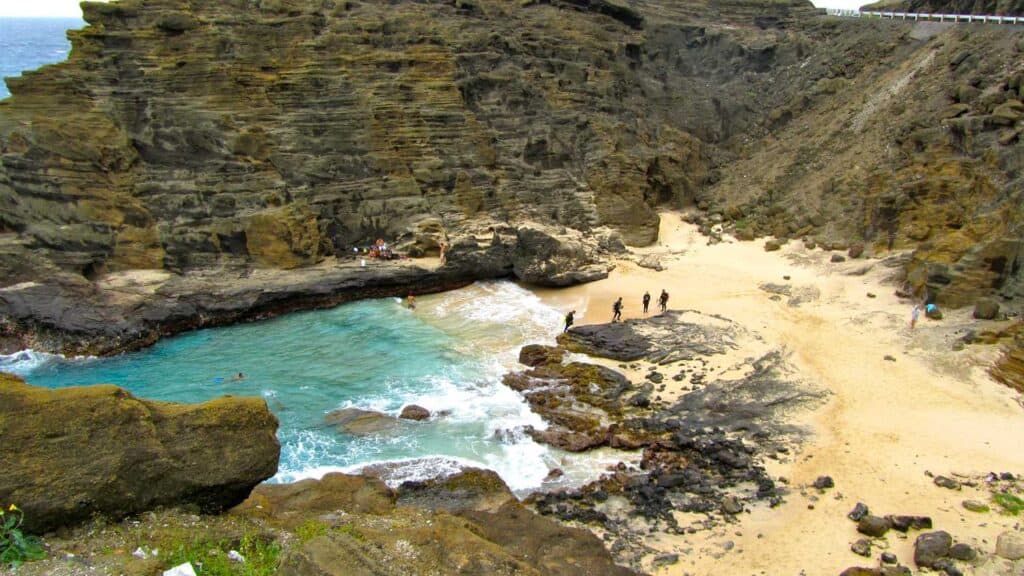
{"type": "Point", "coordinates": [448, 355]}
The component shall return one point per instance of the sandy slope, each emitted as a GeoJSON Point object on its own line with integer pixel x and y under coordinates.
{"type": "Point", "coordinates": [884, 425]}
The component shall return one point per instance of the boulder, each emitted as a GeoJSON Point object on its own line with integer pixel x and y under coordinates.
{"type": "Point", "coordinates": [414, 412]}
{"type": "Point", "coordinates": [837, 258]}
{"type": "Point", "coordinates": [547, 258]}
{"type": "Point", "coordinates": [856, 250]}
{"type": "Point", "coordinates": [986, 309]}
{"type": "Point", "coordinates": [772, 245]}
{"type": "Point", "coordinates": [963, 552]}
{"type": "Point", "coordinates": [469, 489]}
{"type": "Point", "coordinates": [859, 511]}
{"type": "Point", "coordinates": [1010, 545]}
{"type": "Point", "coordinates": [905, 523]}
{"type": "Point", "coordinates": [359, 422]}
{"type": "Point", "coordinates": [975, 506]}
{"type": "Point", "coordinates": [861, 547]}
{"type": "Point", "coordinates": [74, 453]}
{"type": "Point", "coordinates": [539, 354]}
{"type": "Point", "coordinates": [873, 526]}
{"type": "Point", "coordinates": [931, 547]}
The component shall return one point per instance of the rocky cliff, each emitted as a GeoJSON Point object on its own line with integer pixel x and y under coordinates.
{"type": "Point", "coordinates": [209, 139]}
{"type": "Point", "coordinates": [73, 454]}
{"type": "Point", "coordinates": [1000, 7]}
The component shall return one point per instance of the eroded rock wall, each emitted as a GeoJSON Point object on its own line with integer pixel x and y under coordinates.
{"type": "Point", "coordinates": [71, 454]}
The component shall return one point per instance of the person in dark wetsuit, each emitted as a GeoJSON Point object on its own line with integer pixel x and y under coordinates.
{"type": "Point", "coordinates": [647, 301]}
{"type": "Point", "coordinates": [568, 320]}
{"type": "Point", "coordinates": [617, 309]}
{"type": "Point", "coordinates": [663, 301]}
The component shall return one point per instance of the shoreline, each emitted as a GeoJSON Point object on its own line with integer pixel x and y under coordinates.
{"type": "Point", "coordinates": [902, 403]}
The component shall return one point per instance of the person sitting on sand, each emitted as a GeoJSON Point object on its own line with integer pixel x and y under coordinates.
{"type": "Point", "coordinates": [238, 377]}
{"type": "Point", "coordinates": [617, 310]}
{"type": "Point", "coordinates": [663, 301]}
{"type": "Point", "coordinates": [647, 301]}
{"type": "Point", "coordinates": [568, 320]}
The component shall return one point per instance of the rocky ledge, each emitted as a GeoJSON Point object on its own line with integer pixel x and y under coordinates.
{"type": "Point", "coordinates": [72, 454]}
{"type": "Point", "coordinates": [700, 450]}
{"type": "Point", "coordinates": [119, 311]}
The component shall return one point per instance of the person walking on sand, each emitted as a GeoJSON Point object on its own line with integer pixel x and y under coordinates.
{"type": "Point", "coordinates": [617, 310]}
{"type": "Point", "coordinates": [914, 315]}
{"type": "Point", "coordinates": [647, 301]}
{"type": "Point", "coordinates": [568, 320]}
{"type": "Point", "coordinates": [663, 301]}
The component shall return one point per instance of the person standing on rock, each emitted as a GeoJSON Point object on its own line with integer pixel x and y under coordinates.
{"type": "Point", "coordinates": [568, 320]}
{"type": "Point", "coordinates": [617, 310]}
{"type": "Point", "coordinates": [647, 301]}
{"type": "Point", "coordinates": [663, 301]}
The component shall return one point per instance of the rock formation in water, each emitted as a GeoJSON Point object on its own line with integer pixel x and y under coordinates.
{"type": "Point", "coordinates": [72, 454]}
{"type": "Point", "coordinates": [188, 147]}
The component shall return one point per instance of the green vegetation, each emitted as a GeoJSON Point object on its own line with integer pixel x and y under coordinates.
{"type": "Point", "coordinates": [311, 529]}
{"type": "Point", "coordinates": [16, 547]}
{"type": "Point", "coordinates": [210, 558]}
{"type": "Point", "coordinates": [1012, 505]}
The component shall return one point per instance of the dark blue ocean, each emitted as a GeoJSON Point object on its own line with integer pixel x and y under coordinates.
{"type": "Point", "coordinates": [28, 43]}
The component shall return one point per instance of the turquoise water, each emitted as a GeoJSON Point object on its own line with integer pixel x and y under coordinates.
{"type": "Point", "coordinates": [448, 356]}
{"type": "Point", "coordinates": [28, 43]}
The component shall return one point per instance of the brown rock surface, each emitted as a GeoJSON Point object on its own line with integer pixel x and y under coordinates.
{"type": "Point", "coordinates": [73, 453]}
{"type": "Point", "coordinates": [464, 524]}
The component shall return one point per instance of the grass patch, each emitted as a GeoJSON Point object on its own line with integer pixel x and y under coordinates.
{"type": "Point", "coordinates": [210, 557]}
{"type": "Point", "coordinates": [1012, 505]}
{"type": "Point", "coordinates": [311, 529]}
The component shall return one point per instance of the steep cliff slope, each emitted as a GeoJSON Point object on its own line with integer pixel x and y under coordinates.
{"type": "Point", "coordinates": [211, 137]}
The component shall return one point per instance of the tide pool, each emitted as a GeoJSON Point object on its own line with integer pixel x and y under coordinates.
{"type": "Point", "coordinates": [448, 356]}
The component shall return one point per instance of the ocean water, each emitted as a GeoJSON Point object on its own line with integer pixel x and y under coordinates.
{"type": "Point", "coordinates": [448, 355]}
{"type": "Point", "coordinates": [28, 43]}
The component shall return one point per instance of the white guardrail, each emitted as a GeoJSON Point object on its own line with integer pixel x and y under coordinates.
{"type": "Point", "coordinates": [924, 16]}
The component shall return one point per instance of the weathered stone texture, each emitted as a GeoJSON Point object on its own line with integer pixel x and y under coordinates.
{"type": "Point", "coordinates": [74, 453]}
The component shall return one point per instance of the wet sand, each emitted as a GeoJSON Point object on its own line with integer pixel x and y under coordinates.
{"type": "Point", "coordinates": [885, 423]}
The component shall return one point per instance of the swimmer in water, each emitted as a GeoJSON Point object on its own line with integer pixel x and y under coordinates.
{"type": "Point", "coordinates": [238, 377]}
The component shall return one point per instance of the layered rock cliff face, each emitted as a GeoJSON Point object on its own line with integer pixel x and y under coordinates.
{"type": "Point", "coordinates": [219, 137]}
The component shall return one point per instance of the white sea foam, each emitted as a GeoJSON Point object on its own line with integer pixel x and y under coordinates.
{"type": "Point", "coordinates": [24, 362]}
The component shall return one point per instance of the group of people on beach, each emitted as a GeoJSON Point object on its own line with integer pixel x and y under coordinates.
{"type": "Point", "coordinates": [618, 306]}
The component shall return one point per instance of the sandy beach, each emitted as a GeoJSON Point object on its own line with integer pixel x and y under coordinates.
{"type": "Point", "coordinates": [901, 405]}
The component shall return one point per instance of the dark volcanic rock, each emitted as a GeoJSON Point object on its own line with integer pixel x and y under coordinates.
{"type": "Point", "coordinates": [618, 341]}
{"type": "Point", "coordinates": [537, 354]}
{"type": "Point", "coordinates": [963, 552]}
{"type": "Point", "coordinates": [104, 452]}
{"type": "Point", "coordinates": [946, 482]}
{"type": "Point", "coordinates": [905, 523]}
{"type": "Point", "coordinates": [414, 412]}
{"type": "Point", "coordinates": [930, 547]}
{"type": "Point", "coordinates": [862, 547]}
{"type": "Point", "coordinates": [360, 422]}
{"type": "Point", "coordinates": [873, 526]}
{"type": "Point", "coordinates": [859, 511]}
{"type": "Point", "coordinates": [823, 482]}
